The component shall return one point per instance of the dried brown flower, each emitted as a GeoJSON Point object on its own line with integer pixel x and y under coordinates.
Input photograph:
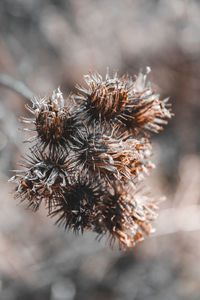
{"type": "Point", "coordinates": [89, 157]}
{"type": "Point", "coordinates": [77, 205]}
{"type": "Point", "coordinates": [53, 120]}
{"type": "Point", "coordinates": [103, 99]}
{"type": "Point", "coordinates": [113, 156]}
{"type": "Point", "coordinates": [126, 217]}
{"type": "Point", "coordinates": [45, 174]}
{"type": "Point", "coordinates": [132, 103]}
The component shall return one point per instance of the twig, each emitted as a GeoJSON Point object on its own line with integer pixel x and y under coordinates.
{"type": "Point", "coordinates": [16, 85]}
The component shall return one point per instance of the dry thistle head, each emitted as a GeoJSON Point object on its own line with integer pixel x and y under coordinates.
{"type": "Point", "coordinates": [77, 206]}
{"type": "Point", "coordinates": [45, 174]}
{"type": "Point", "coordinates": [88, 157]}
{"type": "Point", "coordinates": [113, 156]}
{"type": "Point", "coordinates": [145, 111]}
{"type": "Point", "coordinates": [133, 104]}
{"type": "Point", "coordinates": [53, 120]}
{"type": "Point", "coordinates": [104, 98]}
{"type": "Point", "coordinates": [126, 217]}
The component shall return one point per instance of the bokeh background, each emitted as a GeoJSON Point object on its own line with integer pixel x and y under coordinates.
{"type": "Point", "coordinates": [51, 43]}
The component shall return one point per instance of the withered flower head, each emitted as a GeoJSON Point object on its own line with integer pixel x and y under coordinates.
{"type": "Point", "coordinates": [113, 156]}
{"type": "Point", "coordinates": [132, 103]}
{"type": "Point", "coordinates": [104, 98]}
{"type": "Point", "coordinates": [45, 174]}
{"type": "Point", "coordinates": [89, 157]}
{"type": "Point", "coordinates": [126, 217]}
{"type": "Point", "coordinates": [145, 110]}
{"type": "Point", "coordinates": [53, 120]}
{"type": "Point", "coordinates": [77, 207]}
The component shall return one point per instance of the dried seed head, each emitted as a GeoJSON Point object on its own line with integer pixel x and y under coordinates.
{"type": "Point", "coordinates": [145, 111]}
{"type": "Point", "coordinates": [89, 156]}
{"type": "Point", "coordinates": [45, 174]}
{"type": "Point", "coordinates": [112, 156]}
{"type": "Point", "coordinates": [133, 104]}
{"type": "Point", "coordinates": [126, 217]}
{"type": "Point", "coordinates": [104, 98]}
{"type": "Point", "coordinates": [53, 121]}
{"type": "Point", "coordinates": [77, 205]}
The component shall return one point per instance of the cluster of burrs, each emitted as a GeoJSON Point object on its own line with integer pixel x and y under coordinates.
{"type": "Point", "coordinates": [90, 153]}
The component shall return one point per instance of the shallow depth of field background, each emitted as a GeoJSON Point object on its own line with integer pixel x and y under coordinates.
{"type": "Point", "coordinates": [52, 43]}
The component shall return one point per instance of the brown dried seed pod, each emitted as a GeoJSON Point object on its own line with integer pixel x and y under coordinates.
{"type": "Point", "coordinates": [126, 217]}
{"type": "Point", "coordinates": [103, 99]}
{"type": "Point", "coordinates": [133, 104]}
{"type": "Point", "coordinates": [53, 120]}
{"type": "Point", "coordinates": [77, 206]}
{"type": "Point", "coordinates": [111, 157]}
{"type": "Point", "coordinates": [145, 111]}
{"type": "Point", "coordinates": [45, 174]}
{"type": "Point", "coordinates": [89, 157]}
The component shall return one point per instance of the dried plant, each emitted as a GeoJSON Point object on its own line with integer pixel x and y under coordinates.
{"type": "Point", "coordinates": [77, 204]}
{"type": "Point", "coordinates": [130, 103]}
{"type": "Point", "coordinates": [126, 215]}
{"type": "Point", "coordinates": [53, 121]}
{"type": "Point", "coordinates": [90, 153]}
{"type": "Point", "coordinates": [114, 156]}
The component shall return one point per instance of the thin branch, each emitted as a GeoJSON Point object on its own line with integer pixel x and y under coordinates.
{"type": "Point", "coordinates": [16, 85]}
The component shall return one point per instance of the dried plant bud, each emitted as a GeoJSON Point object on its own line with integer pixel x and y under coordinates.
{"type": "Point", "coordinates": [105, 99]}
{"type": "Point", "coordinates": [111, 156]}
{"type": "Point", "coordinates": [45, 174]}
{"type": "Point", "coordinates": [133, 104]}
{"type": "Point", "coordinates": [145, 111]}
{"type": "Point", "coordinates": [77, 205]}
{"type": "Point", "coordinates": [53, 121]}
{"type": "Point", "coordinates": [126, 217]}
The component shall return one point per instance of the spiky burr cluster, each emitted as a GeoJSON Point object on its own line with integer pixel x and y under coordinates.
{"type": "Point", "coordinates": [90, 154]}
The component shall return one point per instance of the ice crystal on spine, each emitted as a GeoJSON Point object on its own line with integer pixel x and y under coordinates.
{"type": "Point", "coordinates": [90, 155]}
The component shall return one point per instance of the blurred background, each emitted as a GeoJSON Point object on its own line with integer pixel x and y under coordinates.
{"type": "Point", "coordinates": [51, 43]}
